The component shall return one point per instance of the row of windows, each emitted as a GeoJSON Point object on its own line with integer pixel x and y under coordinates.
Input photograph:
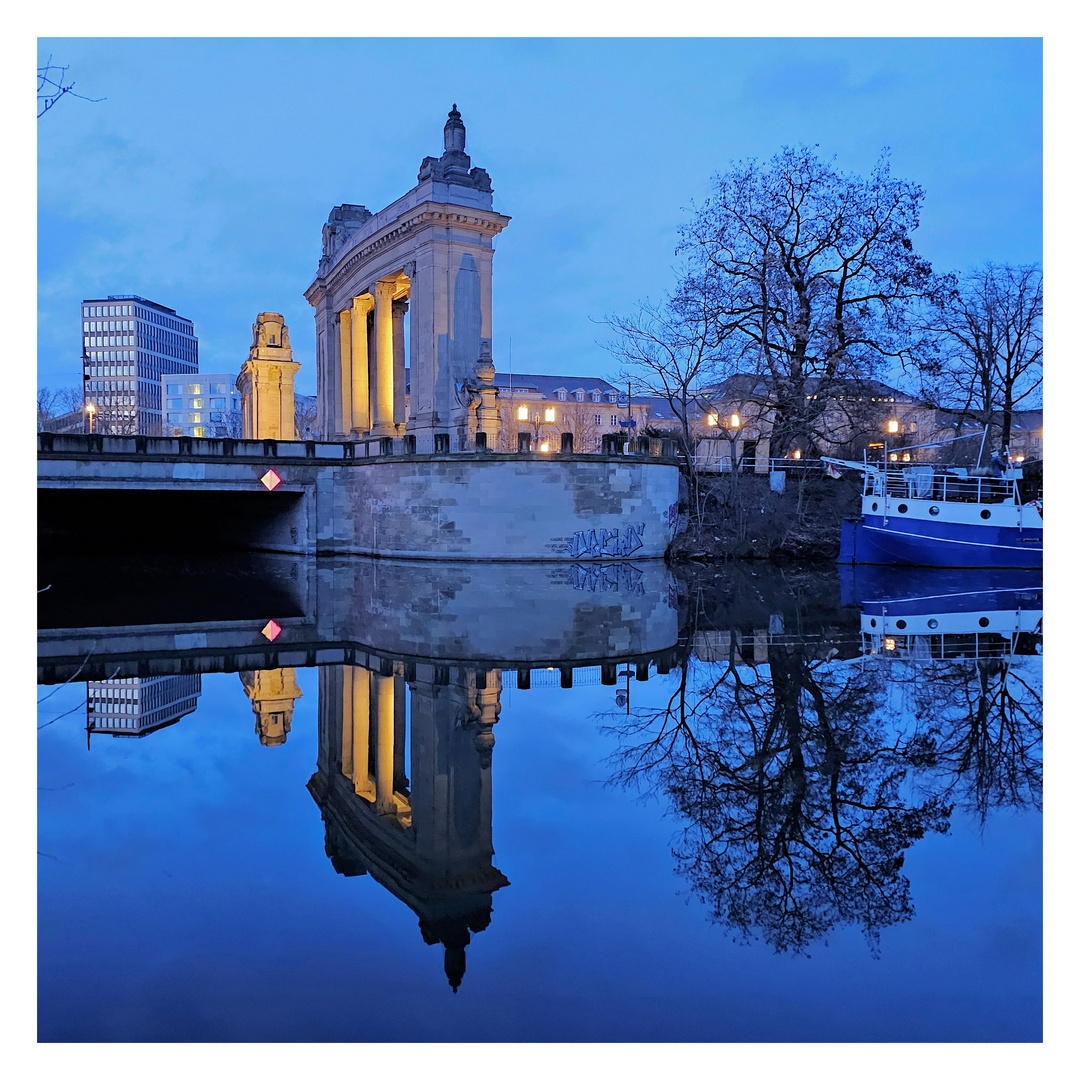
{"type": "Point", "coordinates": [197, 388]}
{"type": "Point", "coordinates": [91, 311]}
{"type": "Point", "coordinates": [197, 403]}
{"type": "Point", "coordinates": [194, 418]}
{"type": "Point", "coordinates": [594, 395]}
{"type": "Point", "coordinates": [549, 416]}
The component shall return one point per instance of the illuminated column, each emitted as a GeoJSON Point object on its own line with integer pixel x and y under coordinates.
{"type": "Point", "coordinates": [343, 422]}
{"type": "Point", "coordinates": [382, 707]}
{"type": "Point", "coordinates": [400, 307]}
{"type": "Point", "coordinates": [359, 739]}
{"type": "Point", "coordinates": [382, 420]}
{"type": "Point", "coordinates": [361, 414]}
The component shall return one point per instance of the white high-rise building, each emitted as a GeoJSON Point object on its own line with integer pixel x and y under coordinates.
{"type": "Point", "coordinates": [129, 343]}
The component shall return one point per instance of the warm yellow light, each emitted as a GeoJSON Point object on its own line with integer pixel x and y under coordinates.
{"type": "Point", "coordinates": [714, 419]}
{"type": "Point", "coordinates": [890, 644]}
{"type": "Point", "coordinates": [545, 447]}
{"type": "Point", "coordinates": [1018, 458]}
{"type": "Point", "coordinates": [907, 457]}
{"type": "Point", "coordinates": [892, 427]}
{"type": "Point", "coordinates": [90, 408]}
{"type": "Point", "coordinates": [893, 457]}
{"type": "Point", "coordinates": [523, 412]}
{"type": "Point", "coordinates": [735, 421]}
{"type": "Point", "coordinates": [549, 415]}
{"type": "Point", "coordinates": [797, 454]}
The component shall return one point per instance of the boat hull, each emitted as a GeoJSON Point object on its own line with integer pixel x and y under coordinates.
{"type": "Point", "coordinates": [899, 541]}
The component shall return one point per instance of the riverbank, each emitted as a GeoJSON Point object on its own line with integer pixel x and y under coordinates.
{"type": "Point", "coordinates": [742, 518]}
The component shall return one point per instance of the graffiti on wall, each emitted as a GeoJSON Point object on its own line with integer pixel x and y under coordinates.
{"type": "Point", "coordinates": [615, 543]}
{"type": "Point", "coordinates": [617, 577]}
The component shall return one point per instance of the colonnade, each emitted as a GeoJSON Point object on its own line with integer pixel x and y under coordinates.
{"type": "Point", "coordinates": [371, 331]}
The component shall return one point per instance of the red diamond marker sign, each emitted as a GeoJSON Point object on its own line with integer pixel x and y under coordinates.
{"type": "Point", "coordinates": [271, 630]}
{"type": "Point", "coordinates": [270, 480]}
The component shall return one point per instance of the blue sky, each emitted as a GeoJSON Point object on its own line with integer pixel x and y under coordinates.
{"type": "Point", "coordinates": [203, 178]}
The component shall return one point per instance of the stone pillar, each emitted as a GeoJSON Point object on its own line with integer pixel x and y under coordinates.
{"type": "Point", "coordinates": [382, 708]}
{"type": "Point", "coordinates": [343, 421]}
{"type": "Point", "coordinates": [356, 731]}
{"type": "Point", "coordinates": [361, 407]}
{"type": "Point", "coordinates": [400, 307]}
{"type": "Point", "coordinates": [382, 419]}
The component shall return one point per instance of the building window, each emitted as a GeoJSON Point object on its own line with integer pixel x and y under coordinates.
{"type": "Point", "coordinates": [194, 418]}
{"type": "Point", "coordinates": [174, 388]}
{"type": "Point", "coordinates": [580, 395]}
{"type": "Point", "coordinates": [523, 412]}
{"type": "Point", "coordinates": [175, 418]}
{"type": "Point", "coordinates": [614, 419]}
{"type": "Point", "coordinates": [217, 403]}
{"type": "Point", "coordinates": [198, 432]}
{"type": "Point", "coordinates": [196, 403]}
{"type": "Point", "coordinates": [219, 388]}
{"type": "Point", "coordinates": [194, 388]}
{"type": "Point", "coordinates": [598, 419]}
{"type": "Point", "coordinates": [561, 395]}
{"type": "Point", "coordinates": [549, 415]}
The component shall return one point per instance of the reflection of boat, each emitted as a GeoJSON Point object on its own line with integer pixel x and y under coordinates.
{"type": "Point", "coordinates": [930, 515]}
{"type": "Point", "coordinates": [940, 614]}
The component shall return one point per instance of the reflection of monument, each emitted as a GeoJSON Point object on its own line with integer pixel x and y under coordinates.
{"type": "Point", "coordinates": [273, 695]}
{"type": "Point", "coordinates": [426, 838]}
{"type": "Point", "coordinates": [135, 707]}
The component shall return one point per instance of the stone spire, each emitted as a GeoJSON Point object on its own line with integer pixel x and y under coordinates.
{"type": "Point", "coordinates": [454, 131]}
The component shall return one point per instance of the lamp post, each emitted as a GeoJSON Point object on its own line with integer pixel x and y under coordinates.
{"type": "Point", "coordinates": [90, 411]}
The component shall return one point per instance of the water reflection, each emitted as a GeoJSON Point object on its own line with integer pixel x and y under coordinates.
{"type": "Point", "coordinates": [811, 735]}
{"type": "Point", "coordinates": [801, 777]}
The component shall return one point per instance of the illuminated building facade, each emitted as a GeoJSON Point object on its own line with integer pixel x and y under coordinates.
{"type": "Point", "coordinates": [129, 343]}
{"type": "Point", "coordinates": [203, 405]}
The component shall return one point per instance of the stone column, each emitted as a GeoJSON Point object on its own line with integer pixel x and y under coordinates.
{"type": "Point", "coordinates": [382, 397]}
{"type": "Point", "coordinates": [359, 723]}
{"type": "Point", "coordinates": [361, 408]}
{"type": "Point", "coordinates": [382, 707]}
{"type": "Point", "coordinates": [343, 418]}
{"type": "Point", "coordinates": [400, 307]}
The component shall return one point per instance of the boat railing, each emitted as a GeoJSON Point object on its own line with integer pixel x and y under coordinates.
{"type": "Point", "coordinates": [939, 485]}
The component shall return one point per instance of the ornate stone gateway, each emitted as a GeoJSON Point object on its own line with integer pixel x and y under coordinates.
{"type": "Point", "coordinates": [428, 255]}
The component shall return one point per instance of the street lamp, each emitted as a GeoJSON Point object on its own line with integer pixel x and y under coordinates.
{"type": "Point", "coordinates": [90, 410]}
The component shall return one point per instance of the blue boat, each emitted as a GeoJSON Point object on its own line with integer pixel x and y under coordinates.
{"type": "Point", "coordinates": [933, 515]}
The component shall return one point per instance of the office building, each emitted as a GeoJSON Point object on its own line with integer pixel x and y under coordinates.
{"type": "Point", "coordinates": [135, 707]}
{"type": "Point", "coordinates": [203, 405]}
{"type": "Point", "coordinates": [129, 343]}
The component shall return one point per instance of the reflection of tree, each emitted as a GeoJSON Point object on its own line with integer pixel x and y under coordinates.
{"type": "Point", "coordinates": [981, 725]}
{"type": "Point", "coordinates": [796, 817]}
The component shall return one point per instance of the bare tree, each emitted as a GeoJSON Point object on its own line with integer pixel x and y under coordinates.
{"type": "Point", "coordinates": [807, 273]}
{"type": "Point", "coordinates": [671, 351]}
{"type": "Point", "coordinates": [990, 325]}
{"type": "Point", "coordinates": [53, 85]}
{"type": "Point", "coordinates": [53, 405]}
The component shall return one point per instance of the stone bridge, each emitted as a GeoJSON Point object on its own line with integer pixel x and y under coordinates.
{"type": "Point", "coordinates": [130, 493]}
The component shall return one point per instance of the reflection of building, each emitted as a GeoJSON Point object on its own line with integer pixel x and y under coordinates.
{"type": "Point", "coordinates": [139, 706]}
{"type": "Point", "coordinates": [129, 343]}
{"type": "Point", "coordinates": [273, 695]}
{"type": "Point", "coordinates": [203, 405]}
{"type": "Point", "coordinates": [406, 795]}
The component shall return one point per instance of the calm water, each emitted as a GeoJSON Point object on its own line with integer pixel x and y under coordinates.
{"type": "Point", "coordinates": [532, 804]}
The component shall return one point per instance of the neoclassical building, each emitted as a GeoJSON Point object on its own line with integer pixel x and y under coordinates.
{"type": "Point", "coordinates": [426, 258]}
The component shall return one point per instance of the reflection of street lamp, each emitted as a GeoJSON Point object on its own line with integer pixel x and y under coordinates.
{"type": "Point", "coordinates": [90, 410]}
{"type": "Point", "coordinates": [622, 697]}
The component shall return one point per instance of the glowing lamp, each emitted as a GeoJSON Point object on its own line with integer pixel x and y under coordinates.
{"type": "Point", "coordinates": [545, 447]}
{"type": "Point", "coordinates": [270, 630]}
{"type": "Point", "coordinates": [523, 412]}
{"type": "Point", "coordinates": [714, 419]}
{"type": "Point", "coordinates": [797, 454]}
{"type": "Point", "coordinates": [892, 427]}
{"type": "Point", "coordinates": [894, 457]}
{"type": "Point", "coordinates": [735, 420]}
{"type": "Point", "coordinates": [270, 480]}
{"type": "Point", "coordinates": [890, 644]}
